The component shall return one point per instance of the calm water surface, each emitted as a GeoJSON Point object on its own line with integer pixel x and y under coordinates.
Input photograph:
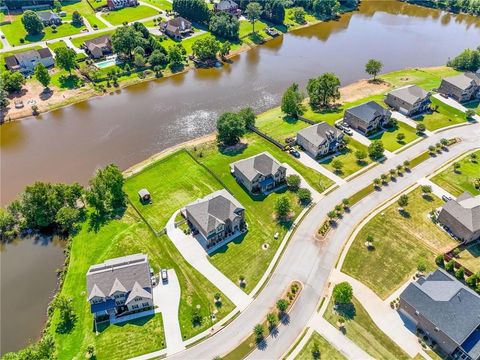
{"type": "Point", "coordinates": [69, 144]}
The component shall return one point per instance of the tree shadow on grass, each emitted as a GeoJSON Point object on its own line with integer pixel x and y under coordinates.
{"type": "Point", "coordinates": [69, 81]}
{"type": "Point", "coordinates": [348, 311]}
{"type": "Point", "coordinates": [256, 38]}
{"type": "Point", "coordinates": [232, 150]}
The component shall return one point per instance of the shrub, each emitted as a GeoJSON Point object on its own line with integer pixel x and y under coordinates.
{"type": "Point", "coordinates": [460, 273]}
{"type": "Point", "coordinates": [450, 266]}
{"type": "Point", "coordinates": [439, 261]}
{"type": "Point", "coordinates": [343, 293]}
{"type": "Point", "coordinates": [304, 196]}
{"type": "Point", "coordinates": [293, 182]}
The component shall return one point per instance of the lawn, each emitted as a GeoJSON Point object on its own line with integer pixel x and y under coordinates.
{"type": "Point", "coordinates": [360, 328]}
{"type": "Point", "coordinates": [292, 24]}
{"type": "Point", "coordinates": [246, 27]}
{"type": "Point", "coordinates": [161, 4]}
{"type": "Point", "coordinates": [347, 157]}
{"type": "Point", "coordinates": [97, 3]}
{"type": "Point", "coordinates": [389, 136]}
{"type": "Point", "coordinates": [400, 241]}
{"type": "Point", "coordinates": [327, 351]}
{"type": "Point", "coordinates": [93, 20]}
{"type": "Point", "coordinates": [15, 31]}
{"type": "Point", "coordinates": [275, 124]}
{"type": "Point", "coordinates": [80, 40]}
{"type": "Point", "coordinates": [474, 105]}
{"type": "Point", "coordinates": [443, 116]}
{"type": "Point", "coordinates": [470, 257]}
{"type": "Point", "coordinates": [55, 45]}
{"type": "Point", "coordinates": [129, 235]}
{"type": "Point", "coordinates": [457, 182]}
{"type": "Point", "coordinates": [118, 17]}
{"type": "Point", "coordinates": [79, 5]}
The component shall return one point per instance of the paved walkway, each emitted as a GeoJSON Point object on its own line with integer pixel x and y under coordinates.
{"type": "Point", "coordinates": [307, 160]}
{"type": "Point", "coordinates": [167, 297]}
{"type": "Point", "coordinates": [361, 138]}
{"type": "Point", "coordinates": [455, 104]}
{"type": "Point", "coordinates": [70, 45]}
{"type": "Point", "coordinates": [437, 190]}
{"type": "Point", "coordinates": [196, 256]}
{"type": "Point", "coordinates": [5, 43]}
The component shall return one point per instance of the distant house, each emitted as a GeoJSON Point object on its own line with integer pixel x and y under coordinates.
{"type": "Point", "coordinates": [259, 173]}
{"type": "Point", "coordinates": [119, 287]}
{"type": "Point", "coordinates": [367, 117]}
{"type": "Point", "coordinates": [26, 61]}
{"type": "Point", "coordinates": [320, 139]}
{"type": "Point", "coordinates": [409, 100]}
{"type": "Point", "coordinates": [49, 18]}
{"type": "Point", "coordinates": [177, 28]}
{"type": "Point", "coordinates": [99, 46]}
{"type": "Point", "coordinates": [447, 311]}
{"type": "Point", "coordinates": [228, 6]}
{"type": "Point", "coordinates": [462, 87]}
{"type": "Point", "coordinates": [216, 217]}
{"type": "Point", "coordinates": [28, 4]}
{"type": "Point", "coordinates": [120, 4]}
{"type": "Point", "coordinates": [462, 217]}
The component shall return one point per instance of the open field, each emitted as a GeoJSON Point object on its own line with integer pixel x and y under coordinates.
{"type": "Point", "coordinates": [400, 241]}
{"type": "Point", "coordinates": [470, 257]}
{"type": "Point", "coordinates": [347, 157]}
{"type": "Point", "coordinates": [457, 182]}
{"type": "Point", "coordinates": [327, 351]}
{"type": "Point", "coordinates": [274, 123]}
{"type": "Point", "coordinates": [443, 116]}
{"type": "Point", "coordinates": [118, 17]}
{"type": "Point", "coordinates": [360, 328]}
{"type": "Point", "coordinates": [129, 235]}
{"type": "Point", "coordinates": [161, 4]}
{"type": "Point", "coordinates": [389, 136]}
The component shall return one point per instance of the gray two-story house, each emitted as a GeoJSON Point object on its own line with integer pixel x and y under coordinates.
{"type": "Point", "coordinates": [216, 217]}
{"type": "Point", "coordinates": [462, 217]}
{"type": "Point", "coordinates": [320, 139]}
{"type": "Point", "coordinates": [367, 118]}
{"type": "Point", "coordinates": [260, 173]}
{"type": "Point", "coordinates": [447, 311]}
{"type": "Point", "coordinates": [462, 87]}
{"type": "Point", "coordinates": [119, 286]}
{"type": "Point", "coordinates": [409, 100]}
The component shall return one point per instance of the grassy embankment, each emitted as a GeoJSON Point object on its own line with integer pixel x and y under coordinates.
{"type": "Point", "coordinates": [327, 351]}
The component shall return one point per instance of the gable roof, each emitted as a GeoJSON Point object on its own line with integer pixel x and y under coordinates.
{"type": "Point", "coordinates": [463, 81]}
{"type": "Point", "coordinates": [44, 53]}
{"type": "Point", "coordinates": [263, 164]}
{"type": "Point", "coordinates": [466, 210]}
{"type": "Point", "coordinates": [410, 94]}
{"type": "Point", "coordinates": [47, 15]}
{"type": "Point", "coordinates": [139, 291]}
{"type": "Point", "coordinates": [225, 5]}
{"type": "Point", "coordinates": [116, 274]}
{"type": "Point", "coordinates": [368, 111]}
{"type": "Point", "coordinates": [213, 210]}
{"type": "Point", "coordinates": [320, 133]}
{"type": "Point", "coordinates": [100, 41]}
{"type": "Point", "coordinates": [178, 22]}
{"type": "Point", "coordinates": [452, 307]}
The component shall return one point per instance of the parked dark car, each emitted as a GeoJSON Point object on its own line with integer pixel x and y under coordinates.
{"type": "Point", "coordinates": [294, 153]}
{"type": "Point", "coordinates": [338, 126]}
{"type": "Point", "coordinates": [164, 275]}
{"type": "Point", "coordinates": [348, 131]}
{"type": "Point", "coordinates": [446, 198]}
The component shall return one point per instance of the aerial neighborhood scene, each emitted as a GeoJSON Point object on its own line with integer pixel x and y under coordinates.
{"type": "Point", "coordinates": [240, 179]}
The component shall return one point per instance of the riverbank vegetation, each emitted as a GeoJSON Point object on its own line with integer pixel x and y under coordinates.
{"type": "Point", "coordinates": [471, 7]}
{"type": "Point", "coordinates": [467, 60]}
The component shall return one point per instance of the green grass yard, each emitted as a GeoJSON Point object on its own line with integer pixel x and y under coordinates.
{"type": "Point", "coordinates": [443, 116]}
{"type": "Point", "coordinates": [457, 182]}
{"type": "Point", "coordinates": [161, 4]}
{"type": "Point", "coordinates": [347, 157]}
{"type": "Point", "coordinates": [118, 17]}
{"type": "Point", "coordinates": [360, 328]}
{"type": "Point", "coordinates": [327, 351]}
{"type": "Point", "coordinates": [389, 136]}
{"type": "Point", "coordinates": [470, 257]}
{"type": "Point", "coordinates": [274, 123]}
{"type": "Point", "coordinates": [80, 40]}
{"type": "Point", "coordinates": [400, 242]}
{"type": "Point", "coordinates": [246, 28]}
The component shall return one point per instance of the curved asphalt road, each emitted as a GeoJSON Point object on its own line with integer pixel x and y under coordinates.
{"type": "Point", "coordinates": [309, 261]}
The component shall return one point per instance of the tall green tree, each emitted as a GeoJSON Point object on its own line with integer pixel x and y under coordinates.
{"type": "Point", "coordinates": [292, 101]}
{"type": "Point", "coordinates": [373, 67]}
{"type": "Point", "coordinates": [12, 81]}
{"type": "Point", "coordinates": [105, 193]}
{"type": "Point", "coordinates": [224, 25]}
{"type": "Point", "coordinates": [323, 90]}
{"type": "Point", "coordinates": [376, 149]}
{"type": "Point", "coordinates": [65, 58]}
{"type": "Point", "coordinates": [175, 55]}
{"type": "Point", "coordinates": [467, 60]}
{"type": "Point", "coordinates": [195, 10]}
{"type": "Point", "coordinates": [282, 206]}
{"type": "Point", "coordinates": [248, 116]}
{"type": "Point", "coordinates": [42, 75]}
{"type": "Point", "coordinates": [230, 127]}
{"type": "Point", "coordinates": [343, 293]}
{"type": "Point", "coordinates": [124, 41]}
{"type": "Point", "coordinates": [274, 11]}
{"type": "Point", "coordinates": [326, 8]}
{"type": "Point", "coordinates": [32, 23]}
{"type": "Point", "coordinates": [253, 13]}
{"type": "Point", "coordinates": [77, 19]}
{"type": "Point", "coordinates": [206, 48]}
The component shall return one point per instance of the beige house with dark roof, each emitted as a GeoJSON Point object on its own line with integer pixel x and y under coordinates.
{"type": "Point", "coordinates": [119, 287]}
{"type": "Point", "coordinates": [409, 100]}
{"type": "Point", "coordinates": [99, 46]}
{"type": "Point", "coordinates": [462, 87]}
{"type": "Point", "coordinates": [177, 28]}
{"type": "Point", "coordinates": [320, 139]}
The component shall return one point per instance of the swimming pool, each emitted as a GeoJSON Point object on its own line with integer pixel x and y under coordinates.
{"type": "Point", "coordinates": [106, 63]}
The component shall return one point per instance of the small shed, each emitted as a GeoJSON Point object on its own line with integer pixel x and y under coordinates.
{"type": "Point", "coordinates": [144, 196]}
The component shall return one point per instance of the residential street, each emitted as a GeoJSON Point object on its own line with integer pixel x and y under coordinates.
{"type": "Point", "coordinates": [310, 261]}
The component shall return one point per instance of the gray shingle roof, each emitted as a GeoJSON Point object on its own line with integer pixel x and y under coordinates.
{"type": "Point", "coordinates": [225, 5]}
{"type": "Point", "coordinates": [263, 164]}
{"type": "Point", "coordinates": [139, 291]}
{"type": "Point", "coordinates": [368, 111]}
{"type": "Point", "coordinates": [122, 272]}
{"type": "Point", "coordinates": [47, 15]}
{"type": "Point", "coordinates": [465, 209]}
{"type": "Point", "coordinates": [445, 302]}
{"type": "Point", "coordinates": [463, 81]}
{"type": "Point", "coordinates": [410, 93]}
{"type": "Point", "coordinates": [318, 134]}
{"type": "Point", "coordinates": [214, 209]}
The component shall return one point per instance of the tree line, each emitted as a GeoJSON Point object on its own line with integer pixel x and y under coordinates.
{"type": "Point", "coordinates": [467, 60]}
{"type": "Point", "coordinates": [471, 7]}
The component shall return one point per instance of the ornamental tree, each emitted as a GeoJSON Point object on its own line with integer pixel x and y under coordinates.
{"type": "Point", "coordinates": [343, 293]}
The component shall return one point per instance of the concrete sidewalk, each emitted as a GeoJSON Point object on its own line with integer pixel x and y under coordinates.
{"type": "Point", "coordinates": [196, 256]}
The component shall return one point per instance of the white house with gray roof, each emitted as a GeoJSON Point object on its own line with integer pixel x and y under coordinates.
{"type": "Point", "coordinates": [462, 217]}
{"type": "Point", "coordinates": [119, 286]}
{"type": "Point", "coordinates": [260, 173]}
{"type": "Point", "coordinates": [320, 139]}
{"type": "Point", "coordinates": [409, 100]}
{"type": "Point", "coordinates": [26, 61]}
{"type": "Point", "coordinates": [367, 117]}
{"type": "Point", "coordinates": [462, 87]}
{"type": "Point", "coordinates": [215, 217]}
{"type": "Point", "coordinates": [447, 311]}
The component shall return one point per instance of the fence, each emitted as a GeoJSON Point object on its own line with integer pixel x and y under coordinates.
{"type": "Point", "coordinates": [308, 121]}
{"type": "Point", "coordinates": [268, 138]}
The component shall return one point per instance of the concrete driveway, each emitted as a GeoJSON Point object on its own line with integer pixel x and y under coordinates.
{"type": "Point", "coordinates": [455, 104]}
{"type": "Point", "coordinates": [312, 163]}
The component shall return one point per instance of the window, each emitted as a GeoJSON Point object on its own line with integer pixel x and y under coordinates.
{"type": "Point", "coordinates": [145, 304]}
{"type": "Point", "coordinates": [135, 306]}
